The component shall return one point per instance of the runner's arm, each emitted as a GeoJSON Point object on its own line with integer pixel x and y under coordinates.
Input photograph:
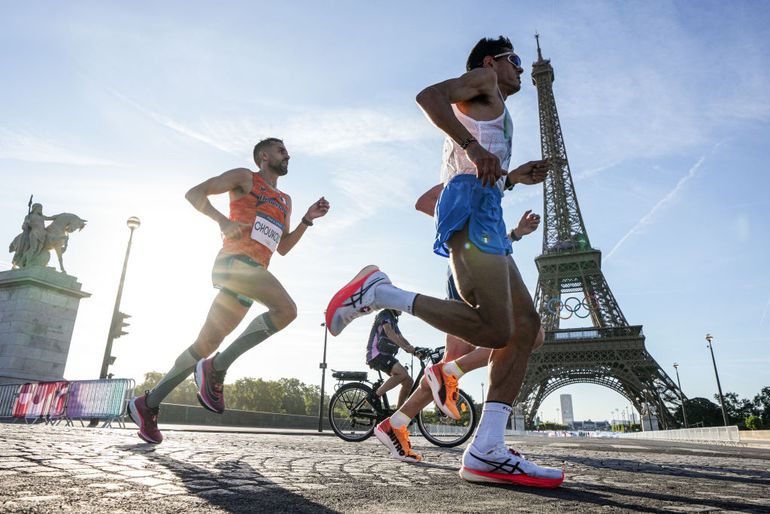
{"type": "Point", "coordinates": [527, 224]}
{"type": "Point", "coordinates": [317, 210]}
{"type": "Point", "coordinates": [237, 180]}
{"type": "Point", "coordinates": [436, 102]}
{"type": "Point", "coordinates": [427, 202]}
{"type": "Point", "coordinates": [529, 173]}
{"type": "Point", "coordinates": [397, 338]}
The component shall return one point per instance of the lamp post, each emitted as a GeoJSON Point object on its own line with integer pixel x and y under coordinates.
{"type": "Point", "coordinates": [323, 382]}
{"type": "Point", "coordinates": [118, 318]}
{"type": "Point", "coordinates": [709, 338]}
{"type": "Point", "coordinates": [681, 395]}
{"type": "Point", "coordinates": [483, 398]}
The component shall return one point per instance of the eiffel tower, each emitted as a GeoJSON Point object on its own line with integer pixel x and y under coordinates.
{"type": "Point", "coordinates": [605, 350]}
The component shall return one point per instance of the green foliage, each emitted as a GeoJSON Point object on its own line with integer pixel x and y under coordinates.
{"type": "Point", "coordinates": [702, 412]}
{"type": "Point", "coordinates": [550, 425]}
{"type": "Point", "coordinates": [285, 396]}
{"type": "Point", "coordinates": [184, 394]}
{"type": "Point", "coordinates": [762, 405]}
{"type": "Point", "coordinates": [753, 422]}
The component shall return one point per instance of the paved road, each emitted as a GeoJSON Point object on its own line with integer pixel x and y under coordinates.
{"type": "Point", "coordinates": [56, 469]}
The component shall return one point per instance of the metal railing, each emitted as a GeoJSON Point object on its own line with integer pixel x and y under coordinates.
{"type": "Point", "coordinates": [52, 402]}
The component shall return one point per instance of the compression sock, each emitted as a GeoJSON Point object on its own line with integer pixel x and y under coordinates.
{"type": "Point", "coordinates": [491, 429]}
{"type": "Point", "coordinates": [183, 367]}
{"type": "Point", "coordinates": [389, 296]}
{"type": "Point", "coordinates": [258, 330]}
{"type": "Point", "coordinates": [451, 368]}
{"type": "Point", "coordinates": [399, 419]}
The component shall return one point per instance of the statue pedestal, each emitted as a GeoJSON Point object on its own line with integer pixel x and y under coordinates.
{"type": "Point", "coordinates": [38, 307]}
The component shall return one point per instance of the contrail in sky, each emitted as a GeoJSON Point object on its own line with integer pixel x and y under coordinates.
{"type": "Point", "coordinates": [647, 218]}
{"type": "Point", "coordinates": [764, 314]}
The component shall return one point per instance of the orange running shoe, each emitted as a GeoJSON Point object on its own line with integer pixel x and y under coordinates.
{"type": "Point", "coordinates": [397, 441]}
{"type": "Point", "coordinates": [444, 388]}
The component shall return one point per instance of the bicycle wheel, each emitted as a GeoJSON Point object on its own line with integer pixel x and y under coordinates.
{"type": "Point", "coordinates": [444, 431]}
{"type": "Point", "coordinates": [351, 414]}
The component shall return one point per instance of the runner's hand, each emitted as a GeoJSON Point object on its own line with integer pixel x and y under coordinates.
{"type": "Point", "coordinates": [487, 164]}
{"type": "Point", "coordinates": [318, 209]}
{"type": "Point", "coordinates": [532, 172]}
{"type": "Point", "coordinates": [233, 229]}
{"type": "Point", "coordinates": [528, 223]}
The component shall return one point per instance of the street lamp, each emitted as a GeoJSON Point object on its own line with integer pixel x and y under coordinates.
{"type": "Point", "coordinates": [709, 337]}
{"type": "Point", "coordinates": [681, 394]}
{"type": "Point", "coordinates": [323, 382]}
{"type": "Point", "coordinates": [118, 322]}
{"type": "Point", "coordinates": [483, 398]}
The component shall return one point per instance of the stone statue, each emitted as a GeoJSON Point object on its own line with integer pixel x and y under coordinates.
{"type": "Point", "coordinates": [33, 246]}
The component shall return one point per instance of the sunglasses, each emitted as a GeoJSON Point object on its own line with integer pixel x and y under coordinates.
{"type": "Point", "coordinates": [511, 57]}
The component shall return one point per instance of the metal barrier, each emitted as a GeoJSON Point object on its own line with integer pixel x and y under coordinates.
{"type": "Point", "coordinates": [53, 402]}
{"type": "Point", "coordinates": [717, 435]}
{"type": "Point", "coordinates": [38, 401]}
{"type": "Point", "coordinates": [98, 399]}
{"type": "Point", "coordinates": [8, 395]}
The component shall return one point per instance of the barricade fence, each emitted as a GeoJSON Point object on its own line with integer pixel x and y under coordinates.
{"type": "Point", "coordinates": [104, 400]}
{"type": "Point", "coordinates": [718, 435]}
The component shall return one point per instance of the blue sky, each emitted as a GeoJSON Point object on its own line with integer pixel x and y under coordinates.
{"type": "Point", "coordinates": [111, 111]}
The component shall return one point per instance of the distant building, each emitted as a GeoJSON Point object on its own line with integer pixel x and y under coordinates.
{"type": "Point", "coordinates": [567, 416]}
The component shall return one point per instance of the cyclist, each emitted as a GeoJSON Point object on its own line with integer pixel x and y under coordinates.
{"type": "Point", "coordinates": [385, 339]}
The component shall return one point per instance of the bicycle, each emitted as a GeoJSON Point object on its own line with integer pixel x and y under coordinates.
{"type": "Point", "coordinates": [355, 410]}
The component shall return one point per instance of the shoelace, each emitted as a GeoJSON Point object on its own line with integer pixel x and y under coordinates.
{"type": "Point", "coordinates": [404, 439]}
{"type": "Point", "coordinates": [451, 382]}
{"type": "Point", "coordinates": [218, 379]}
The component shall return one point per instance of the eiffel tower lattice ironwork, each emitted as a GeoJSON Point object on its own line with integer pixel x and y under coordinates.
{"type": "Point", "coordinates": [605, 350]}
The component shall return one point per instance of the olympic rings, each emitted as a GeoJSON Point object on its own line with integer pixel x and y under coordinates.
{"type": "Point", "coordinates": [572, 305]}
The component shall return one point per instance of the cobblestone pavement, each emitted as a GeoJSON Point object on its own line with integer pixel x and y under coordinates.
{"type": "Point", "coordinates": [59, 469]}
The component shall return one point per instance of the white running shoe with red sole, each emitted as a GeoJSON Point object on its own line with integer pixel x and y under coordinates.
{"type": "Point", "coordinates": [501, 465]}
{"type": "Point", "coordinates": [354, 300]}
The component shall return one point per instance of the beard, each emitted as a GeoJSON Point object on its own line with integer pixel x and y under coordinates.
{"type": "Point", "coordinates": [280, 168]}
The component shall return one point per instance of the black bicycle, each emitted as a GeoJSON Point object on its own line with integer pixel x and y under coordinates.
{"type": "Point", "coordinates": [355, 409]}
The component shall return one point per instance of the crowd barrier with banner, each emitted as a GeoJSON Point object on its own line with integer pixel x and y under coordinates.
{"type": "Point", "coordinates": [52, 402]}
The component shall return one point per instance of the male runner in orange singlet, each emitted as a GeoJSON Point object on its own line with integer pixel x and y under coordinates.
{"type": "Point", "coordinates": [258, 226]}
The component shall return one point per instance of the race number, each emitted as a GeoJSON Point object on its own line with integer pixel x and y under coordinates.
{"type": "Point", "coordinates": [267, 231]}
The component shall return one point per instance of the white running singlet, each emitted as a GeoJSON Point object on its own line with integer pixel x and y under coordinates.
{"type": "Point", "coordinates": [495, 136]}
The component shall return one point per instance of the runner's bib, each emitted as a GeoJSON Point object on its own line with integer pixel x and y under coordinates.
{"type": "Point", "coordinates": [267, 231]}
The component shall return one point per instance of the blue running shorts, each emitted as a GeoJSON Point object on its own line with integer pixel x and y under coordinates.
{"type": "Point", "coordinates": [451, 289]}
{"type": "Point", "coordinates": [464, 201]}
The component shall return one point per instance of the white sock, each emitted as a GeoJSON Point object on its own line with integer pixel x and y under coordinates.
{"type": "Point", "coordinates": [491, 429]}
{"type": "Point", "coordinates": [389, 296]}
{"type": "Point", "coordinates": [451, 368]}
{"type": "Point", "coordinates": [399, 419]}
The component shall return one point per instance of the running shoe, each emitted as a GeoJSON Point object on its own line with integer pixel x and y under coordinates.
{"type": "Point", "coordinates": [355, 299]}
{"type": "Point", "coordinates": [210, 383]}
{"type": "Point", "coordinates": [146, 418]}
{"type": "Point", "coordinates": [397, 441]}
{"type": "Point", "coordinates": [444, 388]}
{"type": "Point", "coordinates": [503, 465]}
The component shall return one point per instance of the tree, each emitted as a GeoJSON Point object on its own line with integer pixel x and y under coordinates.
{"type": "Point", "coordinates": [762, 405]}
{"type": "Point", "coordinates": [737, 410]}
{"type": "Point", "coordinates": [703, 412]}
{"type": "Point", "coordinates": [293, 400]}
{"type": "Point", "coordinates": [183, 394]}
{"type": "Point", "coordinates": [753, 423]}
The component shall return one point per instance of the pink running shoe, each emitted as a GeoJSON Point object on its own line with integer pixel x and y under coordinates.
{"type": "Point", "coordinates": [355, 299]}
{"type": "Point", "coordinates": [210, 383]}
{"type": "Point", "coordinates": [146, 418]}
